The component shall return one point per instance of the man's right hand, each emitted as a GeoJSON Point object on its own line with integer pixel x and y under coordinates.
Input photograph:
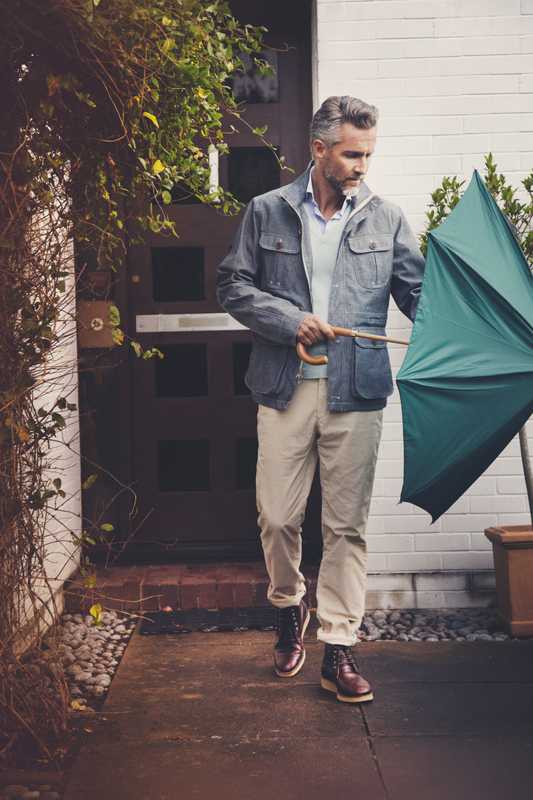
{"type": "Point", "coordinates": [312, 329]}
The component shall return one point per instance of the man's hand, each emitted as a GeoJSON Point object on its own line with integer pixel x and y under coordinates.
{"type": "Point", "coordinates": [312, 329]}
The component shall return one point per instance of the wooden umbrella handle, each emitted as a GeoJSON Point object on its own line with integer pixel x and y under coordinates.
{"type": "Point", "coordinates": [316, 360]}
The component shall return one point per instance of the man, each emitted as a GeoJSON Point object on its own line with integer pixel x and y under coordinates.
{"type": "Point", "coordinates": [318, 252]}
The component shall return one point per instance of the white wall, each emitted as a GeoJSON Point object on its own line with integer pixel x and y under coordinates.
{"type": "Point", "coordinates": [62, 522]}
{"type": "Point", "coordinates": [453, 80]}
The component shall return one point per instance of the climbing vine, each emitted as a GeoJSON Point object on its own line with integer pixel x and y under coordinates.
{"type": "Point", "coordinates": [107, 106]}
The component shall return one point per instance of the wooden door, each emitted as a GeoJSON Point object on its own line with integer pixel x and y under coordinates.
{"type": "Point", "coordinates": [194, 424]}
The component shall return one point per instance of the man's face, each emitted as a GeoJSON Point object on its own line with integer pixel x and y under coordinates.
{"type": "Point", "coordinates": [345, 164]}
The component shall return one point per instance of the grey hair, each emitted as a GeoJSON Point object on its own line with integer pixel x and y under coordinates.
{"type": "Point", "coordinates": [334, 111]}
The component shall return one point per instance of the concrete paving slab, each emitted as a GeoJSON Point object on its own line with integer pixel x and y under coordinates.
{"type": "Point", "coordinates": [285, 712]}
{"type": "Point", "coordinates": [449, 662]}
{"type": "Point", "coordinates": [227, 770]}
{"type": "Point", "coordinates": [469, 768]}
{"type": "Point", "coordinates": [451, 709]}
{"type": "Point", "coordinates": [202, 715]}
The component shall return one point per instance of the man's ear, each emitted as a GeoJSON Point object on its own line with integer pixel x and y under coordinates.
{"type": "Point", "coordinates": [318, 149]}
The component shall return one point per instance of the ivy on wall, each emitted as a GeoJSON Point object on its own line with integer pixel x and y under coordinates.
{"type": "Point", "coordinates": [107, 105]}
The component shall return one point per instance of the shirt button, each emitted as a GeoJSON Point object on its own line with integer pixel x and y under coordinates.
{"type": "Point", "coordinates": [372, 245]}
{"type": "Point", "coordinates": [279, 244]}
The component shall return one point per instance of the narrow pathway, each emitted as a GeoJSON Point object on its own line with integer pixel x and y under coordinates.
{"type": "Point", "coordinates": [202, 716]}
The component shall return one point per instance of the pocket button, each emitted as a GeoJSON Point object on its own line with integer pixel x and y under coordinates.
{"type": "Point", "coordinates": [372, 245]}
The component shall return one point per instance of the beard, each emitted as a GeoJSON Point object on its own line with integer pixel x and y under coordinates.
{"type": "Point", "coordinates": [345, 187]}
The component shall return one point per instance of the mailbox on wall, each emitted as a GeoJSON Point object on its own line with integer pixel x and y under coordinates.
{"type": "Point", "coordinates": [94, 327]}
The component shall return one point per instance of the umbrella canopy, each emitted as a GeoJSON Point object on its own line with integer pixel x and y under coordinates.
{"type": "Point", "coordinates": [466, 384]}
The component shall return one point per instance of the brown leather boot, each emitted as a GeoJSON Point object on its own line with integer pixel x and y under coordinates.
{"type": "Point", "coordinates": [341, 674]}
{"type": "Point", "coordinates": [289, 652]}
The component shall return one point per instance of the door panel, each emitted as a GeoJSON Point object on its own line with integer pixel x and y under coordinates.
{"type": "Point", "coordinates": [194, 431]}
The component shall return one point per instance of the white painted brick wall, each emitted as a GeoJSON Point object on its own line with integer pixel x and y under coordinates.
{"type": "Point", "coordinates": [453, 79]}
{"type": "Point", "coordinates": [63, 523]}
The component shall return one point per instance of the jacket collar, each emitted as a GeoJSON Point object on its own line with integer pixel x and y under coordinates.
{"type": "Point", "coordinates": [294, 193]}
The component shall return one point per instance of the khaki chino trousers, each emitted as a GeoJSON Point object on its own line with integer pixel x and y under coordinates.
{"type": "Point", "coordinates": [346, 447]}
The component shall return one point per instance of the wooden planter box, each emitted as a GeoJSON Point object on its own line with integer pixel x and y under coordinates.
{"type": "Point", "coordinates": [512, 546]}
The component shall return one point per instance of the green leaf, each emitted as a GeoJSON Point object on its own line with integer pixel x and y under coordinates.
{"type": "Point", "coordinates": [166, 197]}
{"type": "Point", "coordinates": [137, 348]}
{"type": "Point", "coordinates": [107, 527]}
{"type": "Point", "coordinates": [114, 316]}
{"type": "Point", "coordinates": [88, 482]}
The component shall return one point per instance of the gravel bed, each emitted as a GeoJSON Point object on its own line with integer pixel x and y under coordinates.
{"type": "Point", "coordinates": [435, 625]}
{"type": "Point", "coordinates": [91, 653]}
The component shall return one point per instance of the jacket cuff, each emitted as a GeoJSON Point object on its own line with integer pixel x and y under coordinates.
{"type": "Point", "coordinates": [292, 323]}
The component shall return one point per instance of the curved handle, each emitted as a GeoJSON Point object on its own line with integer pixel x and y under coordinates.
{"type": "Point", "coordinates": [316, 360]}
{"type": "Point", "coordinates": [303, 355]}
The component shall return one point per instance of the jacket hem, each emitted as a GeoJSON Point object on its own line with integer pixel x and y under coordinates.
{"type": "Point", "coordinates": [353, 405]}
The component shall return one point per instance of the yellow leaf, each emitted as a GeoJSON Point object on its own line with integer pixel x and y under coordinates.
{"type": "Point", "coordinates": [96, 612]}
{"type": "Point", "coordinates": [117, 336]}
{"type": "Point", "coordinates": [152, 118]}
{"type": "Point", "coordinates": [23, 434]}
{"type": "Point", "coordinates": [202, 93]}
{"type": "Point", "coordinates": [158, 167]}
{"type": "Point", "coordinates": [77, 706]}
{"type": "Point", "coordinates": [167, 45]}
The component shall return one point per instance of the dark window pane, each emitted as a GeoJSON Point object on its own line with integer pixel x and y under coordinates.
{"type": "Point", "coordinates": [249, 86]}
{"type": "Point", "coordinates": [177, 274]}
{"type": "Point", "coordinates": [245, 463]}
{"type": "Point", "coordinates": [182, 372]}
{"type": "Point", "coordinates": [252, 171]}
{"type": "Point", "coordinates": [183, 466]}
{"type": "Point", "coordinates": [241, 357]}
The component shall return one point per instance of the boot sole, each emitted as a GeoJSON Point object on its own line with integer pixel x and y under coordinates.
{"type": "Point", "coordinates": [298, 667]}
{"type": "Point", "coordinates": [329, 686]}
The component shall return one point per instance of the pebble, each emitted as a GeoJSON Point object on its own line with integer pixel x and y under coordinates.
{"type": "Point", "coordinates": [402, 625]}
{"type": "Point", "coordinates": [90, 655]}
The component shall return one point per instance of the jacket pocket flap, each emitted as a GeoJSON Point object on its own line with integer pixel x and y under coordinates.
{"type": "Point", "coordinates": [370, 243]}
{"type": "Point", "coordinates": [370, 343]}
{"type": "Point", "coordinates": [280, 243]}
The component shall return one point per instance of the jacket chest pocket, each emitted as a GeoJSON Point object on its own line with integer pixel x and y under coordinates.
{"type": "Point", "coordinates": [279, 254]}
{"type": "Point", "coordinates": [371, 259]}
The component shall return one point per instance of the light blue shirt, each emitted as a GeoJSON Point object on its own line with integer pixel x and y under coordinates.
{"type": "Point", "coordinates": [324, 238]}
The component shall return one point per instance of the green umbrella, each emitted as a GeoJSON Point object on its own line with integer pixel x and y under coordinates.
{"type": "Point", "coordinates": [466, 384]}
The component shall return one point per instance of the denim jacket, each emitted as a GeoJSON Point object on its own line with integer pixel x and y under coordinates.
{"type": "Point", "coordinates": [264, 282]}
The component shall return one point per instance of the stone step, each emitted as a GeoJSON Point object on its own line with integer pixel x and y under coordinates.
{"type": "Point", "coordinates": [177, 586]}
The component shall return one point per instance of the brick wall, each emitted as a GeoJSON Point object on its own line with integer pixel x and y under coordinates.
{"type": "Point", "coordinates": [63, 520]}
{"type": "Point", "coordinates": [453, 79]}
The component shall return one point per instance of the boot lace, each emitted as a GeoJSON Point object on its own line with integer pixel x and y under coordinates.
{"type": "Point", "coordinates": [344, 654]}
{"type": "Point", "coordinates": [288, 625]}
